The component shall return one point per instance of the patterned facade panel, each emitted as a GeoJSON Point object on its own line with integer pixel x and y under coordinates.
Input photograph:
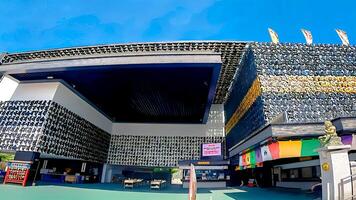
{"type": "Point", "coordinates": [47, 127]}
{"type": "Point", "coordinates": [302, 107]}
{"type": "Point", "coordinates": [309, 83]}
{"type": "Point", "coordinates": [241, 84]}
{"type": "Point", "coordinates": [156, 151]}
{"type": "Point", "coordinates": [253, 119]}
{"type": "Point", "coordinates": [244, 108]}
{"type": "Point", "coordinates": [304, 60]}
{"type": "Point", "coordinates": [21, 124]}
{"type": "Point", "coordinates": [67, 134]}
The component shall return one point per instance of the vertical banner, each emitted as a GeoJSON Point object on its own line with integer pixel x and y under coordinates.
{"type": "Point", "coordinates": [258, 153]}
{"type": "Point", "coordinates": [273, 35]}
{"type": "Point", "coordinates": [252, 157]}
{"type": "Point", "coordinates": [248, 158]}
{"type": "Point", "coordinates": [290, 149]}
{"type": "Point", "coordinates": [308, 36]}
{"type": "Point", "coordinates": [343, 37]}
{"type": "Point", "coordinates": [192, 183]}
{"type": "Point", "coordinates": [240, 161]}
{"type": "Point", "coordinates": [274, 149]}
{"type": "Point", "coordinates": [266, 154]}
{"type": "Point", "coordinates": [309, 146]}
{"type": "Point", "coordinates": [244, 163]}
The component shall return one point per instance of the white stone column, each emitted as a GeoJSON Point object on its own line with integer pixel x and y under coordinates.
{"type": "Point", "coordinates": [8, 86]}
{"type": "Point", "coordinates": [335, 166]}
{"type": "Point", "coordinates": [104, 172]}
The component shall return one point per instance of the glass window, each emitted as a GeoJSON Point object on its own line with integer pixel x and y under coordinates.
{"type": "Point", "coordinates": [318, 172]}
{"type": "Point", "coordinates": [284, 174]}
{"type": "Point", "coordinates": [206, 174]}
{"type": "Point", "coordinates": [307, 172]}
{"type": "Point", "coordinates": [294, 173]}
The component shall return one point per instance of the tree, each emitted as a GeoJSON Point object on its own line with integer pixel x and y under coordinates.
{"type": "Point", "coordinates": [5, 157]}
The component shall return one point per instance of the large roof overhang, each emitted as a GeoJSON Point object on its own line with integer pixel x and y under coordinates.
{"type": "Point", "coordinates": [173, 82]}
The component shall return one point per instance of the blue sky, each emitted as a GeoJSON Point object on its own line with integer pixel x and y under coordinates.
{"type": "Point", "coordinates": [34, 25]}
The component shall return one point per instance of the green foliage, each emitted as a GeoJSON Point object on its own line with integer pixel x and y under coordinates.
{"type": "Point", "coordinates": [4, 157]}
{"type": "Point", "coordinates": [165, 170]}
{"type": "Point", "coordinates": [174, 170]}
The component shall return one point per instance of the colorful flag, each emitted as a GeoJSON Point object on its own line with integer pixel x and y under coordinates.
{"type": "Point", "coordinates": [266, 154]}
{"type": "Point", "coordinates": [252, 157]}
{"type": "Point", "coordinates": [290, 149]}
{"type": "Point", "coordinates": [309, 147]}
{"type": "Point", "coordinates": [349, 140]}
{"type": "Point", "coordinates": [273, 35]}
{"type": "Point", "coordinates": [308, 36]}
{"type": "Point", "coordinates": [243, 158]}
{"type": "Point", "coordinates": [274, 149]}
{"type": "Point", "coordinates": [240, 160]}
{"type": "Point", "coordinates": [192, 183]}
{"type": "Point", "coordinates": [248, 158]}
{"type": "Point", "coordinates": [258, 153]}
{"type": "Point", "coordinates": [343, 37]}
{"type": "Point", "coordinates": [346, 139]}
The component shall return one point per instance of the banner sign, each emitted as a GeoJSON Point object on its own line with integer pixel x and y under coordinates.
{"type": "Point", "coordinates": [213, 149]}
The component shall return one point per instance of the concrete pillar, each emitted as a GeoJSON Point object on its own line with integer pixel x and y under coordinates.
{"type": "Point", "coordinates": [103, 174]}
{"type": "Point", "coordinates": [335, 166]}
{"type": "Point", "coordinates": [8, 86]}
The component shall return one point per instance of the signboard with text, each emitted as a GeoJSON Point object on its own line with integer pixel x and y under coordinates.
{"type": "Point", "coordinates": [213, 150]}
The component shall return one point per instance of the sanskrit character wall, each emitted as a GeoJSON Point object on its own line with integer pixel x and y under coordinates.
{"type": "Point", "coordinates": [47, 127]}
{"type": "Point", "coordinates": [244, 108]}
{"type": "Point", "coordinates": [310, 83]}
{"type": "Point", "coordinates": [306, 83]}
{"type": "Point", "coordinates": [163, 145]}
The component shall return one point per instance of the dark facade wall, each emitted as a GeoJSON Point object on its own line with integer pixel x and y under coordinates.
{"type": "Point", "coordinates": [249, 115]}
{"type": "Point", "coordinates": [47, 127]}
{"type": "Point", "coordinates": [309, 83]}
{"type": "Point", "coordinates": [246, 75]}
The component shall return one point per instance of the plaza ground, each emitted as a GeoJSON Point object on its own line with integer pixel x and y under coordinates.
{"type": "Point", "coordinates": [116, 192]}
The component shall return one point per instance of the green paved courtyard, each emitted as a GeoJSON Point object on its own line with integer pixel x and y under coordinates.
{"type": "Point", "coordinates": [116, 192]}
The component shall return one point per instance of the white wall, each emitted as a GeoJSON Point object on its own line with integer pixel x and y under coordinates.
{"type": "Point", "coordinates": [7, 88]}
{"type": "Point", "coordinates": [214, 127]}
{"type": "Point", "coordinates": [74, 103]}
{"type": "Point", "coordinates": [35, 91]}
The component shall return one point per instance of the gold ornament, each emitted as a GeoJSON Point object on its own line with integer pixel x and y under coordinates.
{"type": "Point", "coordinates": [325, 166]}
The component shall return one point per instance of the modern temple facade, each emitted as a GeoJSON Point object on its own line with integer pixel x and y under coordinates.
{"type": "Point", "coordinates": [151, 105]}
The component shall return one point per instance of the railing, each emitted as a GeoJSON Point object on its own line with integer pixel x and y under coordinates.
{"type": "Point", "coordinates": [343, 182]}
